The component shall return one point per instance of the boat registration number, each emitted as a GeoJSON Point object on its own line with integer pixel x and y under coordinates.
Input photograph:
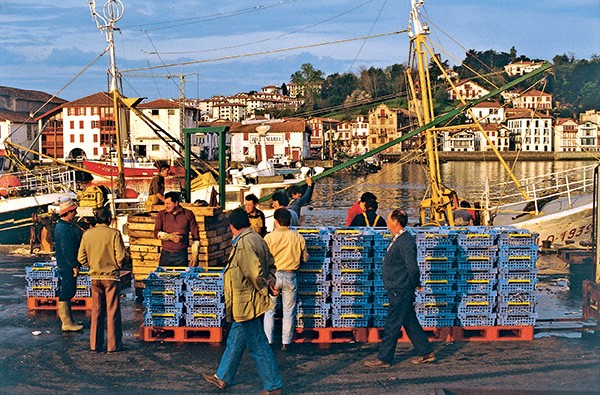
{"type": "Point", "coordinates": [570, 234]}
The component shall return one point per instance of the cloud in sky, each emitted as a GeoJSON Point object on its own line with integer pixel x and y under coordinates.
{"type": "Point", "coordinates": [42, 42]}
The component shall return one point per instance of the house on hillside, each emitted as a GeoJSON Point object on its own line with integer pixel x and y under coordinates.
{"type": "Point", "coordinates": [534, 100]}
{"type": "Point", "coordinates": [383, 128]}
{"type": "Point", "coordinates": [521, 67]}
{"type": "Point", "coordinates": [488, 112]}
{"type": "Point", "coordinates": [467, 90]}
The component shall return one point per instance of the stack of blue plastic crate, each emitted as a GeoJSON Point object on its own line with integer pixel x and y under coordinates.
{"type": "Point", "coordinates": [436, 253]}
{"type": "Point", "coordinates": [477, 276]}
{"type": "Point", "coordinates": [314, 287]}
{"type": "Point", "coordinates": [42, 280]}
{"type": "Point", "coordinates": [351, 278]}
{"type": "Point", "coordinates": [162, 297]}
{"type": "Point", "coordinates": [84, 283]}
{"type": "Point", "coordinates": [381, 241]}
{"type": "Point", "coordinates": [517, 277]}
{"type": "Point", "coordinates": [203, 297]}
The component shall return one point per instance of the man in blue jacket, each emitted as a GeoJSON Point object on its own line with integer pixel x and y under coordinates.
{"type": "Point", "coordinates": [400, 278]}
{"type": "Point", "coordinates": [67, 236]}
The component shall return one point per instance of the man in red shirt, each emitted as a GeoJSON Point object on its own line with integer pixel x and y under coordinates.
{"type": "Point", "coordinates": [173, 227]}
{"type": "Point", "coordinates": [359, 207]}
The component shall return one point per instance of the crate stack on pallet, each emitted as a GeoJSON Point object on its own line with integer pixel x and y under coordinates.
{"type": "Point", "coordinates": [215, 240]}
{"type": "Point", "coordinates": [203, 297]}
{"type": "Point", "coordinates": [381, 241]}
{"type": "Point", "coordinates": [42, 280]}
{"type": "Point", "coordinates": [84, 283]}
{"type": "Point", "coordinates": [477, 276]}
{"type": "Point", "coordinates": [313, 278]}
{"type": "Point", "coordinates": [351, 278]}
{"type": "Point", "coordinates": [436, 254]}
{"type": "Point", "coordinates": [517, 277]}
{"type": "Point", "coordinates": [162, 294]}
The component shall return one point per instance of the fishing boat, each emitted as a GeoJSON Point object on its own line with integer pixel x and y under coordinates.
{"type": "Point", "coordinates": [25, 195]}
{"type": "Point", "coordinates": [132, 167]}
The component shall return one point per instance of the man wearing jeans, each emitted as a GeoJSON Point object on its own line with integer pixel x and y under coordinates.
{"type": "Point", "coordinates": [248, 279]}
{"type": "Point", "coordinates": [400, 278]}
{"type": "Point", "coordinates": [289, 250]}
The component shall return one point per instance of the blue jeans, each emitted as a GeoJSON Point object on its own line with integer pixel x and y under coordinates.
{"type": "Point", "coordinates": [286, 284]}
{"type": "Point", "coordinates": [251, 334]}
{"type": "Point", "coordinates": [401, 313]}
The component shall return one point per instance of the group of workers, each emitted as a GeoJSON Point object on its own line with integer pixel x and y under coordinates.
{"type": "Point", "coordinates": [261, 267]}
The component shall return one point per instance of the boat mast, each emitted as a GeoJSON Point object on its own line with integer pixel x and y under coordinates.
{"type": "Point", "coordinates": [111, 12]}
{"type": "Point", "coordinates": [437, 208]}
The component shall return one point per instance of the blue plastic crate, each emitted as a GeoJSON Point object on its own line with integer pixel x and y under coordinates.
{"type": "Point", "coordinates": [378, 322]}
{"type": "Point", "coordinates": [431, 309]}
{"type": "Point", "coordinates": [317, 299]}
{"type": "Point", "coordinates": [41, 271]}
{"type": "Point", "coordinates": [475, 286]}
{"type": "Point", "coordinates": [359, 264]}
{"type": "Point", "coordinates": [216, 310]}
{"type": "Point", "coordinates": [324, 265]}
{"type": "Point", "coordinates": [436, 264]}
{"type": "Point", "coordinates": [197, 285]}
{"type": "Point", "coordinates": [317, 253]}
{"type": "Point", "coordinates": [447, 252]}
{"type": "Point", "coordinates": [43, 292]}
{"type": "Point", "coordinates": [509, 254]}
{"type": "Point", "coordinates": [516, 263]}
{"type": "Point", "coordinates": [439, 321]}
{"type": "Point", "coordinates": [515, 286]}
{"type": "Point", "coordinates": [83, 291]}
{"type": "Point", "coordinates": [311, 321]}
{"type": "Point", "coordinates": [380, 299]}
{"type": "Point", "coordinates": [427, 298]}
{"type": "Point", "coordinates": [517, 320]}
{"type": "Point", "coordinates": [208, 274]}
{"type": "Point", "coordinates": [365, 287]}
{"type": "Point", "coordinates": [203, 320]}
{"type": "Point", "coordinates": [176, 308]}
{"type": "Point", "coordinates": [155, 283]}
{"type": "Point", "coordinates": [516, 308]}
{"type": "Point", "coordinates": [85, 281]}
{"type": "Point", "coordinates": [481, 253]}
{"type": "Point", "coordinates": [349, 298]}
{"type": "Point", "coordinates": [478, 275]}
{"type": "Point", "coordinates": [350, 276]}
{"type": "Point", "coordinates": [475, 264]}
{"type": "Point", "coordinates": [305, 276]}
{"type": "Point", "coordinates": [323, 309]}
{"type": "Point", "coordinates": [476, 321]}
{"type": "Point", "coordinates": [472, 240]}
{"type": "Point", "coordinates": [364, 310]}
{"type": "Point", "coordinates": [517, 297]}
{"type": "Point", "coordinates": [437, 287]}
{"type": "Point", "coordinates": [430, 239]}
{"type": "Point", "coordinates": [475, 308]}
{"type": "Point", "coordinates": [514, 275]}
{"type": "Point", "coordinates": [517, 240]}
{"type": "Point", "coordinates": [162, 319]}
{"type": "Point", "coordinates": [160, 297]}
{"type": "Point", "coordinates": [324, 287]}
{"type": "Point", "coordinates": [43, 283]}
{"type": "Point", "coordinates": [490, 298]}
{"type": "Point", "coordinates": [441, 277]}
{"type": "Point", "coordinates": [349, 321]}
{"type": "Point", "coordinates": [203, 297]}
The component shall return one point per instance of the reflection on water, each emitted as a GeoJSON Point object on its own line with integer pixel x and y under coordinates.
{"type": "Point", "coordinates": [404, 185]}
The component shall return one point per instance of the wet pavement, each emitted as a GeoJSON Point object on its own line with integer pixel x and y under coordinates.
{"type": "Point", "coordinates": [61, 363]}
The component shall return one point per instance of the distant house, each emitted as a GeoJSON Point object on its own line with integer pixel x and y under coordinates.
{"type": "Point", "coordinates": [167, 115]}
{"type": "Point", "coordinates": [322, 132]}
{"type": "Point", "coordinates": [565, 136]}
{"type": "Point", "coordinates": [534, 100]}
{"type": "Point", "coordinates": [468, 90]}
{"type": "Point", "coordinates": [18, 111]}
{"type": "Point", "coordinates": [588, 136]}
{"type": "Point", "coordinates": [521, 67]}
{"type": "Point", "coordinates": [488, 112]}
{"type": "Point", "coordinates": [383, 128]}
{"type": "Point", "coordinates": [463, 141]}
{"type": "Point", "coordinates": [359, 135]}
{"type": "Point", "coordinates": [288, 137]}
{"type": "Point", "coordinates": [532, 130]}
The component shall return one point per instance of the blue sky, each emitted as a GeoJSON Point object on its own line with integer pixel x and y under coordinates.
{"type": "Point", "coordinates": [45, 44]}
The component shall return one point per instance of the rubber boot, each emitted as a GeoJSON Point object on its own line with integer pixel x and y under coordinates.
{"type": "Point", "coordinates": [64, 312]}
{"type": "Point", "coordinates": [71, 314]}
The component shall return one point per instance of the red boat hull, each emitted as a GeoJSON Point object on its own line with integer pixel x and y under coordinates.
{"type": "Point", "coordinates": [106, 170]}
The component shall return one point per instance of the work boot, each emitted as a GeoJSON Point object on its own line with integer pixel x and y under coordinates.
{"type": "Point", "coordinates": [71, 314]}
{"type": "Point", "coordinates": [64, 312]}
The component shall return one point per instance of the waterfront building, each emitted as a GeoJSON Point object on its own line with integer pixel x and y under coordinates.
{"type": "Point", "coordinates": [467, 90]}
{"type": "Point", "coordinates": [488, 112]}
{"type": "Point", "coordinates": [290, 138]}
{"type": "Point", "coordinates": [343, 136]}
{"type": "Point", "coordinates": [588, 136]}
{"type": "Point", "coordinates": [531, 130]}
{"type": "Point", "coordinates": [521, 67]}
{"type": "Point", "coordinates": [168, 115]}
{"type": "Point", "coordinates": [565, 135]}
{"type": "Point", "coordinates": [534, 100]}
{"type": "Point", "coordinates": [322, 131]}
{"type": "Point", "coordinates": [359, 135]}
{"type": "Point", "coordinates": [383, 128]}
{"type": "Point", "coordinates": [590, 115]}
{"type": "Point", "coordinates": [18, 111]}
{"type": "Point", "coordinates": [462, 141]}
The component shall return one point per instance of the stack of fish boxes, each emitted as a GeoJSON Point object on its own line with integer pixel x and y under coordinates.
{"type": "Point", "coordinates": [517, 277]}
{"type": "Point", "coordinates": [162, 297]}
{"type": "Point", "coordinates": [351, 278]}
{"type": "Point", "coordinates": [42, 280]}
{"type": "Point", "coordinates": [314, 287]}
{"type": "Point", "coordinates": [203, 297]}
{"type": "Point", "coordinates": [381, 241]}
{"type": "Point", "coordinates": [436, 253]}
{"type": "Point", "coordinates": [84, 283]}
{"type": "Point", "coordinates": [477, 276]}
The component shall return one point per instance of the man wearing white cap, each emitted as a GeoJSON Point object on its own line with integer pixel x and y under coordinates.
{"type": "Point", "coordinates": [67, 237]}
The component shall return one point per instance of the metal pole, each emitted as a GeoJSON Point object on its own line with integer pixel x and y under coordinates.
{"type": "Point", "coordinates": [188, 173]}
{"type": "Point", "coordinates": [222, 167]}
{"type": "Point", "coordinates": [596, 221]}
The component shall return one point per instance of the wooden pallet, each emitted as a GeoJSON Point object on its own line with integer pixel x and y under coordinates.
{"type": "Point", "coordinates": [181, 334]}
{"type": "Point", "coordinates": [493, 333]}
{"type": "Point", "coordinates": [330, 335]}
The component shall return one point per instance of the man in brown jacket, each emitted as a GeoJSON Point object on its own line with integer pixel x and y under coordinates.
{"type": "Point", "coordinates": [102, 249]}
{"type": "Point", "coordinates": [248, 278]}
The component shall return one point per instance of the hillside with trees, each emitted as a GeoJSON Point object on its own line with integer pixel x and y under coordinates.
{"type": "Point", "coordinates": [573, 82]}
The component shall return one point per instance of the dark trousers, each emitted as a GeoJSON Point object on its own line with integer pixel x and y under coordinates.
{"type": "Point", "coordinates": [68, 285]}
{"type": "Point", "coordinates": [173, 258]}
{"type": "Point", "coordinates": [106, 311]}
{"type": "Point", "coordinates": [401, 313]}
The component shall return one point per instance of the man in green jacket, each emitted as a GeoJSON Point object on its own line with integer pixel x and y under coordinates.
{"type": "Point", "coordinates": [248, 279]}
